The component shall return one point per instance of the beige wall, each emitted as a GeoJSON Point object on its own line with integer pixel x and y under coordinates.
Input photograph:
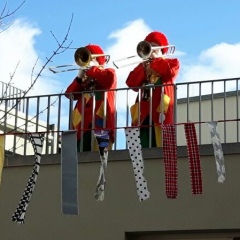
{"type": "Point", "coordinates": [201, 112]}
{"type": "Point", "coordinates": [217, 208]}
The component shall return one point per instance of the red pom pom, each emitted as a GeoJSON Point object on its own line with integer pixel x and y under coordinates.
{"type": "Point", "coordinates": [159, 38]}
{"type": "Point", "coordinates": [95, 49]}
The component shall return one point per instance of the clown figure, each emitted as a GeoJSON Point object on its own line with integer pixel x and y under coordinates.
{"type": "Point", "coordinates": [94, 109]}
{"type": "Point", "coordinates": [156, 78]}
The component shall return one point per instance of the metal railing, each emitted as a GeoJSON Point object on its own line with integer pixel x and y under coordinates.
{"type": "Point", "coordinates": [213, 100]}
{"type": "Point", "coordinates": [198, 102]}
{"type": "Point", "coordinates": [8, 91]}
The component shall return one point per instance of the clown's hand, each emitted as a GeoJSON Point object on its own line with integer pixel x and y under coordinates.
{"type": "Point", "coordinates": [93, 63]}
{"type": "Point", "coordinates": [81, 73]}
{"type": "Point", "coordinates": [156, 54]}
{"type": "Point", "coordinates": [161, 117]}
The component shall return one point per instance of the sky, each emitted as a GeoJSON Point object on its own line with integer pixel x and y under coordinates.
{"type": "Point", "coordinates": [205, 33]}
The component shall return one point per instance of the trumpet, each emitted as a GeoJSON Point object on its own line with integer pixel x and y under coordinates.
{"type": "Point", "coordinates": [82, 57]}
{"type": "Point", "coordinates": [144, 51]}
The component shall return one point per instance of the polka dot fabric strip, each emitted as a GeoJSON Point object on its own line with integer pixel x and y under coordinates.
{"type": "Point", "coordinates": [135, 151]}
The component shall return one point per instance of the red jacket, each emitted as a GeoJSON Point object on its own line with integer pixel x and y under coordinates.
{"type": "Point", "coordinates": [104, 79]}
{"type": "Point", "coordinates": [165, 71]}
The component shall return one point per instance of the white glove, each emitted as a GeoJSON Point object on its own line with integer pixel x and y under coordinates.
{"type": "Point", "coordinates": [93, 63]}
{"type": "Point", "coordinates": [161, 117]}
{"type": "Point", "coordinates": [156, 53]}
{"type": "Point", "coordinates": [80, 73]}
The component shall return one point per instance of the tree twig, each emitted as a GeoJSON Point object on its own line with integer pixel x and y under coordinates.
{"type": "Point", "coordinates": [34, 80]}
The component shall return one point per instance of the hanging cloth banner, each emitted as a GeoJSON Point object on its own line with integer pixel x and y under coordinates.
{"type": "Point", "coordinates": [193, 158]}
{"type": "Point", "coordinates": [135, 151]}
{"type": "Point", "coordinates": [37, 143]}
{"type": "Point", "coordinates": [102, 138]}
{"type": "Point", "coordinates": [218, 152]}
{"type": "Point", "coordinates": [2, 149]}
{"type": "Point", "coordinates": [69, 170]}
{"type": "Point", "coordinates": [170, 160]}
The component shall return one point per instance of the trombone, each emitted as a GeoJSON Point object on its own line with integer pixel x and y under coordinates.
{"type": "Point", "coordinates": [144, 51]}
{"type": "Point", "coordinates": [82, 57]}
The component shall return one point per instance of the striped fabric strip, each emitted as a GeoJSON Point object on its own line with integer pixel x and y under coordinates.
{"type": "Point", "coordinates": [193, 158]}
{"type": "Point", "coordinates": [170, 160]}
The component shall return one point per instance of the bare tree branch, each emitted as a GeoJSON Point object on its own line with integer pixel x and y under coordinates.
{"type": "Point", "coordinates": [34, 80]}
{"type": "Point", "coordinates": [9, 83]}
{"type": "Point", "coordinates": [6, 14]}
{"type": "Point", "coordinates": [52, 104]}
{"type": "Point", "coordinates": [14, 148]}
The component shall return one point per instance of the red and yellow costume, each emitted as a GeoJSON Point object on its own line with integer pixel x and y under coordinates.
{"type": "Point", "coordinates": [161, 72]}
{"type": "Point", "coordinates": [100, 79]}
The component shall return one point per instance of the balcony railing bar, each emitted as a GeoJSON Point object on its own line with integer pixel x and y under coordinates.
{"type": "Point", "coordinates": [26, 125]}
{"type": "Point", "coordinates": [193, 109]}
{"type": "Point", "coordinates": [224, 110]}
{"type": "Point", "coordinates": [212, 97]}
{"type": "Point", "coordinates": [200, 111]}
{"type": "Point", "coordinates": [237, 105]}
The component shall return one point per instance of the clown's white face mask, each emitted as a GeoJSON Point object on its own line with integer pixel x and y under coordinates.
{"type": "Point", "coordinates": [156, 53]}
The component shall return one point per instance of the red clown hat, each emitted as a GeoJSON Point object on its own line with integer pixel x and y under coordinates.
{"type": "Point", "coordinates": [95, 49]}
{"type": "Point", "coordinates": [158, 38]}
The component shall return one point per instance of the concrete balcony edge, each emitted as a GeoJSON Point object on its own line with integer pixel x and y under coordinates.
{"type": "Point", "coordinates": [117, 155]}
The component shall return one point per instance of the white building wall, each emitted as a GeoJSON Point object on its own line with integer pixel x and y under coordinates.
{"type": "Point", "coordinates": [16, 141]}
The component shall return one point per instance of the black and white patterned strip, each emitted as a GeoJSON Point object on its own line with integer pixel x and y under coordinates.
{"type": "Point", "coordinates": [218, 152]}
{"type": "Point", "coordinates": [37, 143]}
{"type": "Point", "coordinates": [101, 183]}
{"type": "Point", "coordinates": [135, 151]}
